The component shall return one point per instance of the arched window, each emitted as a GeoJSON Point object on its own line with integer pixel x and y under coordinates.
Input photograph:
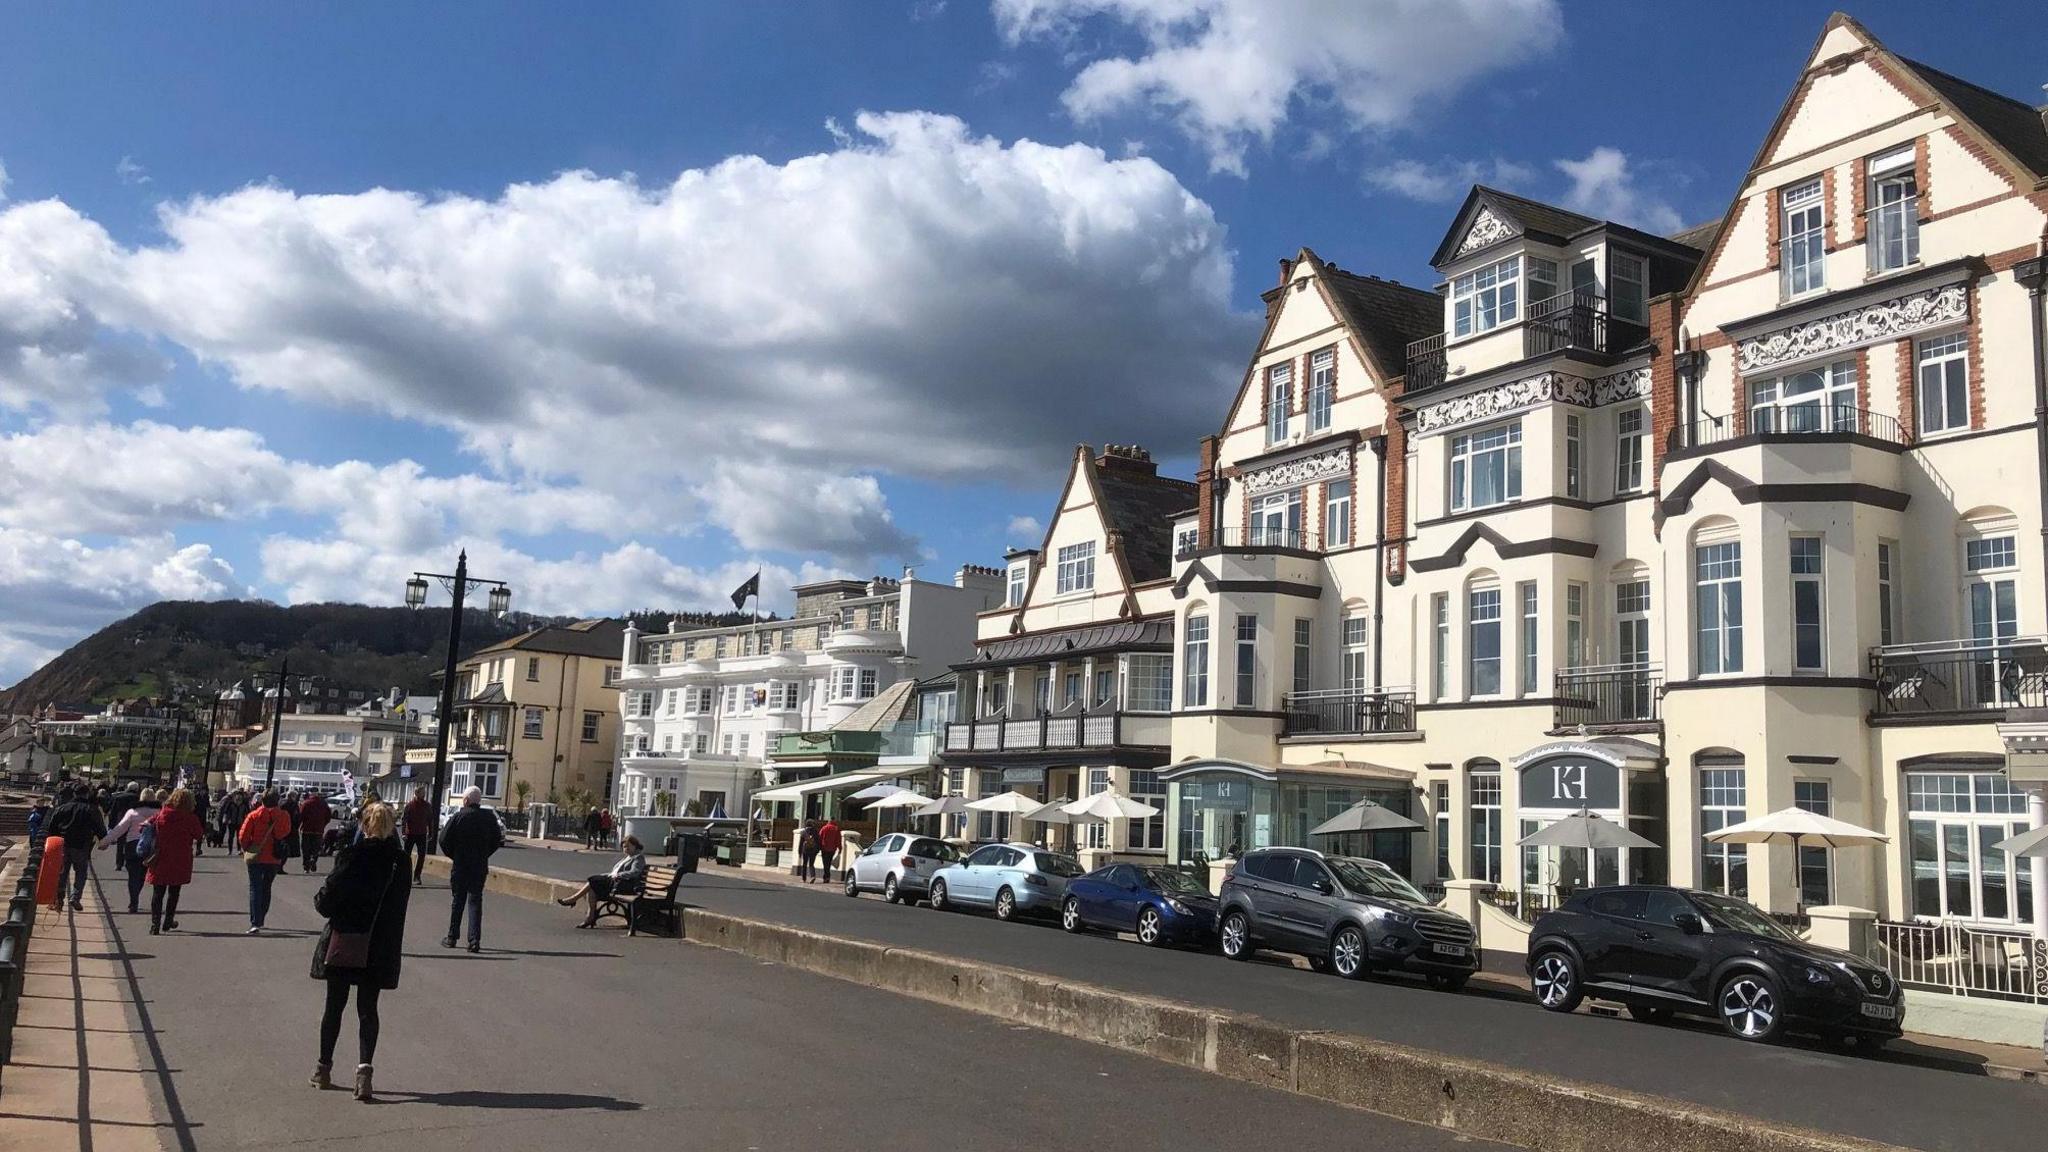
{"type": "Point", "coordinates": [1194, 655]}
{"type": "Point", "coordinates": [1724, 800]}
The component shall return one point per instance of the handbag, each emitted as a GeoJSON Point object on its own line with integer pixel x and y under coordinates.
{"type": "Point", "coordinates": [348, 949]}
{"type": "Point", "coordinates": [145, 844]}
{"type": "Point", "coordinates": [269, 833]}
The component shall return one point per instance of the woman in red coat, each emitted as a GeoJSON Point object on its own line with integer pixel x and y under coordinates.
{"type": "Point", "coordinates": [177, 833]}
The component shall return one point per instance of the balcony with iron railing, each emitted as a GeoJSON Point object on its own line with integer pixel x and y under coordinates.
{"type": "Point", "coordinates": [1962, 679]}
{"type": "Point", "coordinates": [1580, 321]}
{"type": "Point", "coordinates": [1427, 364]}
{"type": "Point", "coordinates": [1609, 696]}
{"type": "Point", "coordinates": [1348, 712]}
{"type": "Point", "coordinates": [1058, 732]}
{"type": "Point", "coordinates": [1788, 423]}
{"type": "Point", "coordinates": [1258, 538]}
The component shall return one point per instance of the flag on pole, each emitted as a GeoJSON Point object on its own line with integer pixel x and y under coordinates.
{"type": "Point", "coordinates": [751, 588]}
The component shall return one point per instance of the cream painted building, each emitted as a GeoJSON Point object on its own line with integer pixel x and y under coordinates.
{"type": "Point", "coordinates": [1070, 684]}
{"type": "Point", "coordinates": [1682, 530]}
{"type": "Point", "coordinates": [705, 709]}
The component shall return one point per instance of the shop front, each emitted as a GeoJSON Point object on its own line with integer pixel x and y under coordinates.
{"type": "Point", "coordinates": [1220, 809]}
{"type": "Point", "coordinates": [1615, 778]}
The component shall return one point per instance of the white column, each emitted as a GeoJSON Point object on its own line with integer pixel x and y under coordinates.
{"type": "Point", "coordinates": [2037, 816]}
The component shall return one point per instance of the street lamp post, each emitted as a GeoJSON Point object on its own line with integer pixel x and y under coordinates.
{"type": "Point", "coordinates": [416, 595]}
{"type": "Point", "coordinates": [284, 672]}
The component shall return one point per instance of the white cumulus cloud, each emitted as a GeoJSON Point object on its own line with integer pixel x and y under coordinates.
{"type": "Point", "coordinates": [1231, 72]}
{"type": "Point", "coordinates": [1443, 180]}
{"type": "Point", "coordinates": [1604, 185]}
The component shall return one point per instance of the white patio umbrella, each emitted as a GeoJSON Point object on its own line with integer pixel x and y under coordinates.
{"type": "Point", "coordinates": [1365, 816]}
{"type": "Point", "coordinates": [1797, 825]}
{"type": "Point", "coordinates": [2034, 843]}
{"type": "Point", "coordinates": [1110, 805]}
{"type": "Point", "coordinates": [1012, 804]}
{"type": "Point", "coordinates": [904, 798]}
{"type": "Point", "coordinates": [875, 791]}
{"type": "Point", "coordinates": [1051, 813]}
{"type": "Point", "coordinates": [943, 806]}
{"type": "Point", "coordinates": [1587, 831]}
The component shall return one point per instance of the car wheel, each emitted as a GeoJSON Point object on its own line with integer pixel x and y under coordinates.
{"type": "Point", "coordinates": [1749, 1006]}
{"type": "Point", "coordinates": [852, 885]}
{"type": "Point", "coordinates": [1234, 938]}
{"type": "Point", "coordinates": [938, 896]}
{"type": "Point", "coordinates": [1151, 930]}
{"type": "Point", "coordinates": [1556, 981]}
{"type": "Point", "coordinates": [1649, 1013]}
{"type": "Point", "coordinates": [1448, 981]}
{"type": "Point", "coordinates": [1006, 905]}
{"type": "Point", "coordinates": [889, 892]}
{"type": "Point", "coordinates": [1347, 953]}
{"type": "Point", "coordinates": [1070, 915]}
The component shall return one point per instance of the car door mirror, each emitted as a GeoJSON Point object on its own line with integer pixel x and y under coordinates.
{"type": "Point", "coordinates": [1321, 886]}
{"type": "Point", "coordinates": [1687, 923]}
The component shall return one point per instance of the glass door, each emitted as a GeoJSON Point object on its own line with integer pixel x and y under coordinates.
{"type": "Point", "coordinates": [1994, 622]}
{"type": "Point", "coordinates": [1276, 520]}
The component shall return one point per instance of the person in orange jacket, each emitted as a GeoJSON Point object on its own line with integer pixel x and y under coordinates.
{"type": "Point", "coordinates": [265, 832]}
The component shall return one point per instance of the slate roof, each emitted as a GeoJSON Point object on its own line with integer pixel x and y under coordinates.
{"type": "Point", "coordinates": [1385, 314]}
{"type": "Point", "coordinates": [2016, 125]}
{"type": "Point", "coordinates": [1536, 216]}
{"type": "Point", "coordinates": [600, 638]}
{"type": "Point", "coordinates": [893, 705]}
{"type": "Point", "coordinates": [1700, 237]}
{"type": "Point", "coordinates": [1142, 507]}
{"type": "Point", "coordinates": [1071, 642]}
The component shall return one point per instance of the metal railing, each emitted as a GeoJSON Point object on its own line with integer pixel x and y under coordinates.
{"type": "Point", "coordinates": [15, 933]}
{"type": "Point", "coordinates": [1003, 734]}
{"type": "Point", "coordinates": [1891, 235]}
{"type": "Point", "coordinates": [1961, 960]}
{"type": "Point", "coordinates": [1348, 712]}
{"type": "Point", "coordinates": [1524, 904]}
{"type": "Point", "coordinates": [1615, 694]}
{"type": "Point", "coordinates": [1257, 538]}
{"type": "Point", "coordinates": [1961, 676]}
{"type": "Point", "coordinates": [1579, 320]}
{"type": "Point", "coordinates": [1814, 419]}
{"type": "Point", "coordinates": [1427, 364]}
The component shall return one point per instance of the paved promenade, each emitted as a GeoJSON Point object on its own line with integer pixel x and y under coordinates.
{"type": "Point", "coordinates": [553, 1038]}
{"type": "Point", "coordinates": [1894, 1098]}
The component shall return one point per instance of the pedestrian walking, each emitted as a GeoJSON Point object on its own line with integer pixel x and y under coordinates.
{"type": "Point", "coordinates": [117, 807]}
{"type": "Point", "coordinates": [290, 847]}
{"type": "Point", "coordinates": [364, 900]}
{"type": "Point", "coordinates": [263, 834]}
{"type": "Point", "coordinates": [593, 823]}
{"type": "Point", "coordinates": [828, 849]}
{"type": "Point", "coordinates": [625, 879]}
{"type": "Point", "coordinates": [419, 828]}
{"type": "Point", "coordinates": [125, 834]}
{"type": "Point", "coordinates": [807, 852]}
{"type": "Point", "coordinates": [202, 807]}
{"type": "Point", "coordinates": [605, 824]}
{"type": "Point", "coordinates": [168, 862]}
{"type": "Point", "coordinates": [314, 816]}
{"type": "Point", "coordinates": [38, 815]}
{"type": "Point", "coordinates": [233, 810]}
{"type": "Point", "coordinates": [79, 821]}
{"type": "Point", "coordinates": [468, 841]}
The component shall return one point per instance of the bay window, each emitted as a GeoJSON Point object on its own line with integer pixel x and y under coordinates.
{"type": "Point", "coordinates": [1149, 683]}
{"type": "Point", "coordinates": [1821, 399]}
{"type": "Point", "coordinates": [1486, 467]}
{"type": "Point", "coordinates": [1247, 662]}
{"type": "Point", "coordinates": [1724, 868]}
{"type": "Point", "coordinates": [1628, 289]}
{"type": "Point", "coordinates": [1485, 298]}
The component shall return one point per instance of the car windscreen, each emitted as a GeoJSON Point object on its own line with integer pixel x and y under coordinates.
{"type": "Point", "coordinates": [1741, 916]}
{"type": "Point", "coordinates": [1173, 882]}
{"type": "Point", "coordinates": [933, 850]}
{"type": "Point", "coordinates": [1053, 864]}
{"type": "Point", "coordinates": [1372, 878]}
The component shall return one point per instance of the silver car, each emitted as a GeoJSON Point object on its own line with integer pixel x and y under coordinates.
{"type": "Point", "coordinates": [1011, 878]}
{"type": "Point", "coordinates": [899, 866]}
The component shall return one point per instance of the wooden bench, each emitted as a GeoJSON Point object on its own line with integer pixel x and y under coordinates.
{"type": "Point", "coordinates": [656, 900]}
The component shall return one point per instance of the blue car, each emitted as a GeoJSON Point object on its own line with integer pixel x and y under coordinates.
{"type": "Point", "coordinates": [1159, 905]}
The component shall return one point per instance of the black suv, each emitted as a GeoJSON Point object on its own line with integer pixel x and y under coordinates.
{"type": "Point", "coordinates": [1346, 914]}
{"type": "Point", "coordinates": [1663, 950]}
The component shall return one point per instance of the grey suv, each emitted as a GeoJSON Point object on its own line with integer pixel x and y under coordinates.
{"type": "Point", "coordinates": [1348, 915]}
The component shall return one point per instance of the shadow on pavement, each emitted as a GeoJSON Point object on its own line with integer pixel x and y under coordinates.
{"type": "Point", "coordinates": [541, 952]}
{"type": "Point", "coordinates": [533, 1101]}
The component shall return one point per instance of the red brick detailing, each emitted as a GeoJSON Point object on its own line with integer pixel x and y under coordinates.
{"type": "Point", "coordinates": [1357, 498]}
{"type": "Point", "coordinates": [1859, 197]}
{"type": "Point", "coordinates": [1909, 411]}
{"type": "Point", "coordinates": [1920, 174]}
{"type": "Point", "coordinates": [1205, 488]}
{"type": "Point", "coordinates": [1969, 142]}
{"type": "Point", "coordinates": [1976, 358]}
{"type": "Point", "coordinates": [1772, 217]}
{"type": "Point", "coordinates": [1664, 413]}
{"type": "Point", "coordinates": [1265, 385]}
{"type": "Point", "coordinates": [2004, 261]}
{"type": "Point", "coordinates": [1395, 514]}
{"type": "Point", "coordinates": [1334, 358]}
{"type": "Point", "coordinates": [1738, 405]}
{"type": "Point", "coordinates": [1244, 518]}
{"type": "Point", "coordinates": [1863, 381]}
{"type": "Point", "coordinates": [1301, 386]}
{"type": "Point", "coordinates": [1709, 341]}
{"type": "Point", "coordinates": [1827, 209]}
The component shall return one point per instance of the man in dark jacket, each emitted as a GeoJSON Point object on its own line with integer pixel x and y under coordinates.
{"type": "Point", "coordinates": [79, 821]}
{"type": "Point", "coordinates": [418, 827]}
{"type": "Point", "coordinates": [469, 839]}
{"type": "Point", "coordinates": [313, 817]}
{"type": "Point", "coordinates": [232, 811]}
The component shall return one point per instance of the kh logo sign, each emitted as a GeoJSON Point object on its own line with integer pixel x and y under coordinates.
{"type": "Point", "coordinates": [1568, 782]}
{"type": "Point", "coordinates": [1571, 781]}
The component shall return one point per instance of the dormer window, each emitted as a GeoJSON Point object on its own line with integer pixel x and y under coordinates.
{"type": "Point", "coordinates": [1019, 575]}
{"type": "Point", "coordinates": [1279, 387]}
{"type": "Point", "coordinates": [1485, 298]}
{"type": "Point", "coordinates": [1629, 290]}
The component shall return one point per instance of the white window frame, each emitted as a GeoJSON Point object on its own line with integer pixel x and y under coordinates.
{"type": "Point", "coordinates": [1486, 298]}
{"type": "Point", "coordinates": [1304, 665]}
{"type": "Point", "coordinates": [1723, 800]}
{"type": "Point", "coordinates": [1245, 666]}
{"type": "Point", "coordinates": [1186, 542]}
{"type": "Point", "coordinates": [1527, 634]}
{"type": "Point", "coordinates": [1941, 384]}
{"type": "Point", "coordinates": [1891, 230]}
{"type": "Point", "coordinates": [531, 722]}
{"type": "Point", "coordinates": [1721, 586]}
{"type": "Point", "coordinates": [1483, 633]}
{"type": "Point", "coordinates": [868, 684]}
{"type": "Point", "coordinates": [1802, 239]}
{"type": "Point", "coordinates": [1337, 514]}
{"type": "Point", "coordinates": [1824, 402]}
{"type": "Point", "coordinates": [1279, 390]}
{"type": "Point", "coordinates": [1632, 615]}
{"type": "Point", "coordinates": [1806, 557]}
{"type": "Point", "coordinates": [1574, 624]}
{"type": "Point", "coordinates": [1075, 573]}
{"type": "Point", "coordinates": [1815, 796]}
{"type": "Point", "coordinates": [1440, 671]}
{"type": "Point", "coordinates": [1322, 378]}
{"type": "Point", "coordinates": [1148, 682]}
{"type": "Point", "coordinates": [1483, 803]}
{"type": "Point", "coordinates": [1195, 662]}
{"type": "Point", "coordinates": [1472, 450]}
{"type": "Point", "coordinates": [1630, 439]}
{"type": "Point", "coordinates": [1887, 592]}
{"type": "Point", "coordinates": [1355, 635]}
{"type": "Point", "coordinates": [1574, 456]}
{"type": "Point", "coordinates": [1276, 520]}
{"type": "Point", "coordinates": [1628, 290]}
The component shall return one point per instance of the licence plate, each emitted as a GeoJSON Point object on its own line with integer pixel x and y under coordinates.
{"type": "Point", "coordinates": [1881, 1011]}
{"type": "Point", "coordinates": [1448, 949]}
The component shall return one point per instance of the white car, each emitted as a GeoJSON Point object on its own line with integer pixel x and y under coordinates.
{"type": "Point", "coordinates": [448, 814]}
{"type": "Point", "coordinates": [899, 866]}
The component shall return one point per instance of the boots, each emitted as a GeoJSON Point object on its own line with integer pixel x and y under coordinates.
{"type": "Point", "coordinates": [363, 1081]}
{"type": "Point", "coordinates": [323, 1077]}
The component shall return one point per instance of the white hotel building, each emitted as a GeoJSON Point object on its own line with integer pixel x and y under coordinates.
{"type": "Point", "coordinates": [1682, 530]}
{"type": "Point", "coordinates": [703, 709]}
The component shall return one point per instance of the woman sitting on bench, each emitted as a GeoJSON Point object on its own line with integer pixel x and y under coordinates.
{"type": "Point", "coordinates": [625, 879]}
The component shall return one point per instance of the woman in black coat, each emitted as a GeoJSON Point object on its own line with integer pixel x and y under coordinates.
{"type": "Point", "coordinates": [366, 892]}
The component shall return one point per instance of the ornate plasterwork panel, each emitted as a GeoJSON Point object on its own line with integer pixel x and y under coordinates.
{"type": "Point", "coordinates": [1502, 399]}
{"type": "Point", "coordinates": [1325, 465]}
{"type": "Point", "coordinates": [1631, 384]}
{"type": "Point", "coordinates": [1486, 229]}
{"type": "Point", "coordinates": [1884, 320]}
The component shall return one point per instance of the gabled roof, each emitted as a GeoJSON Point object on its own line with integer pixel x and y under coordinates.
{"type": "Point", "coordinates": [1386, 315]}
{"type": "Point", "coordinates": [1523, 217]}
{"type": "Point", "coordinates": [600, 638]}
{"type": "Point", "coordinates": [1142, 508]}
{"type": "Point", "coordinates": [2017, 126]}
{"type": "Point", "coordinates": [890, 707]}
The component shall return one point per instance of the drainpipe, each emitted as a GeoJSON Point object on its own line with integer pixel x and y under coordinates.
{"type": "Point", "coordinates": [2034, 275]}
{"type": "Point", "coordinates": [1379, 558]}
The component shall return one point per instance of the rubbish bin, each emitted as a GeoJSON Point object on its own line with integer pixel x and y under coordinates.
{"type": "Point", "coordinates": [689, 848]}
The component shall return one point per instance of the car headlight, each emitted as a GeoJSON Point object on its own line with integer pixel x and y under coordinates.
{"type": "Point", "coordinates": [1818, 976]}
{"type": "Point", "coordinates": [1176, 906]}
{"type": "Point", "coordinates": [1388, 915]}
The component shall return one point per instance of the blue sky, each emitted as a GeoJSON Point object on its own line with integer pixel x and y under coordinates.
{"type": "Point", "coordinates": [230, 366]}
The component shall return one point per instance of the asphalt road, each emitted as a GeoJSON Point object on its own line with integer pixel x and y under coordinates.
{"type": "Point", "coordinates": [1889, 1099]}
{"type": "Point", "coordinates": [552, 1038]}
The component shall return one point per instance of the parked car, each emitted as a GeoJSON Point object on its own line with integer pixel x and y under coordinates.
{"type": "Point", "coordinates": [1348, 915]}
{"type": "Point", "coordinates": [448, 814]}
{"type": "Point", "coordinates": [1013, 879]}
{"type": "Point", "coordinates": [899, 866]}
{"type": "Point", "coordinates": [1661, 950]}
{"type": "Point", "coordinates": [1159, 905]}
